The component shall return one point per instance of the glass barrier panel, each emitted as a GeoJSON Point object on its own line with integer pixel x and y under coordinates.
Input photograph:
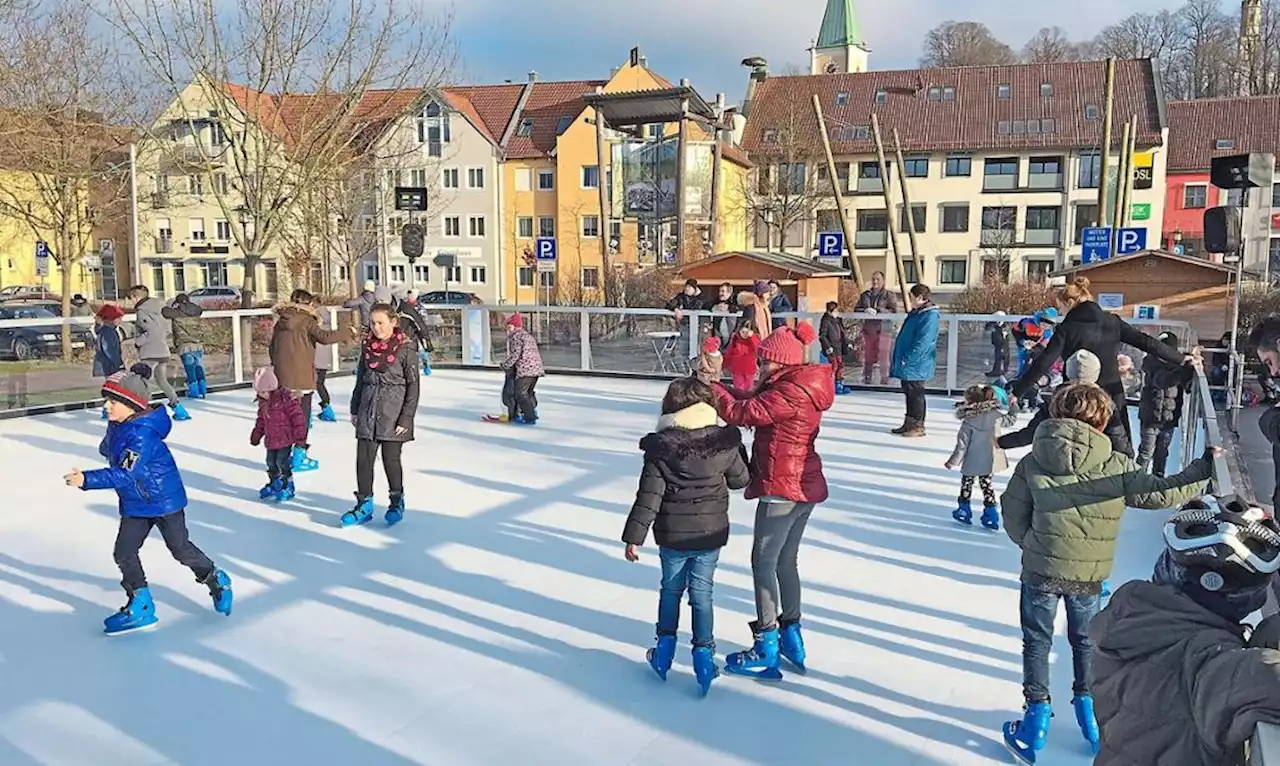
{"type": "Point", "coordinates": [988, 353]}
{"type": "Point", "coordinates": [33, 371]}
{"type": "Point", "coordinates": [650, 344]}
{"type": "Point", "coordinates": [212, 336]}
{"type": "Point", "coordinates": [444, 322]}
{"type": "Point", "coordinates": [558, 334]}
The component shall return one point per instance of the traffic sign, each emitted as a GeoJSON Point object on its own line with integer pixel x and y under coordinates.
{"type": "Point", "coordinates": [544, 250]}
{"type": "Point", "coordinates": [1130, 240]}
{"type": "Point", "coordinates": [1097, 244]}
{"type": "Point", "coordinates": [42, 258]}
{"type": "Point", "coordinates": [413, 198]}
{"type": "Point", "coordinates": [831, 246]}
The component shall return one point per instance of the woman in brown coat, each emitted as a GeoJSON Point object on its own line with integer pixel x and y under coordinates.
{"type": "Point", "coordinates": [293, 355]}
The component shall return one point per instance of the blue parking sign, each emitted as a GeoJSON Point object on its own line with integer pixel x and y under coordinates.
{"type": "Point", "coordinates": [831, 245]}
{"type": "Point", "coordinates": [1131, 240]}
{"type": "Point", "coordinates": [1096, 241]}
{"type": "Point", "coordinates": [544, 250]}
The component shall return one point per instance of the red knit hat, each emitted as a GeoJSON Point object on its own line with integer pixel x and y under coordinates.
{"type": "Point", "coordinates": [786, 346]}
{"type": "Point", "coordinates": [711, 345]}
{"type": "Point", "coordinates": [110, 312]}
{"type": "Point", "coordinates": [516, 321]}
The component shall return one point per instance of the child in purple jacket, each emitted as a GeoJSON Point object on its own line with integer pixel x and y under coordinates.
{"type": "Point", "coordinates": [523, 366]}
{"type": "Point", "coordinates": [283, 426]}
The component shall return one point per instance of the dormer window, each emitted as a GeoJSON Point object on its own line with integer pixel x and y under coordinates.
{"type": "Point", "coordinates": [563, 125]}
{"type": "Point", "coordinates": [935, 93]}
{"type": "Point", "coordinates": [948, 93]}
{"type": "Point", "coordinates": [881, 96]}
{"type": "Point", "coordinates": [433, 129]}
{"type": "Point", "coordinates": [1046, 89]}
{"type": "Point", "coordinates": [1091, 111]}
{"type": "Point", "coordinates": [842, 98]}
{"type": "Point", "coordinates": [526, 127]}
{"type": "Point", "coordinates": [770, 137]}
{"type": "Point", "coordinates": [1224, 143]}
{"type": "Point", "coordinates": [1003, 90]}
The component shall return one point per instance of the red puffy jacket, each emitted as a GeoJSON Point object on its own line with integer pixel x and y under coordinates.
{"type": "Point", "coordinates": [786, 412]}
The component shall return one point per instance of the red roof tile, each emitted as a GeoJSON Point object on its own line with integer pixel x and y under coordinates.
{"type": "Point", "coordinates": [548, 102]}
{"type": "Point", "coordinates": [1195, 127]}
{"type": "Point", "coordinates": [971, 121]}
{"type": "Point", "coordinates": [491, 105]}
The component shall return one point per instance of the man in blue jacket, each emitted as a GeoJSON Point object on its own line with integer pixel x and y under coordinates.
{"type": "Point", "coordinates": [146, 480]}
{"type": "Point", "coordinates": [914, 359]}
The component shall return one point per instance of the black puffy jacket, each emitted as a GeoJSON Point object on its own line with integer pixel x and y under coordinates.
{"type": "Point", "coordinates": [1087, 326]}
{"type": "Point", "coordinates": [689, 467]}
{"type": "Point", "coordinates": [1163, 387]}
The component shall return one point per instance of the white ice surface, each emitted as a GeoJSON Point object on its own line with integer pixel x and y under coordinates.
{"type": "Point", "coordinates": [500, 624]}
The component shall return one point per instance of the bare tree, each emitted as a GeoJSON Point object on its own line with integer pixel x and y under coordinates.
{"type": "Point", "coordinates": [56, 88]}
{"type": "Point", "coordinates": [998, 238]}
{"type": "Point", "coordinates": [1209, 50]}
{"type": "Point", "coordinates": [280, 94]}
{"type": "Point", "coordinates": [1141, 35]}
{"type": "Point", "coordinates": [964, 43]}
{"type": "Point", "coordinates": [1050, 45]}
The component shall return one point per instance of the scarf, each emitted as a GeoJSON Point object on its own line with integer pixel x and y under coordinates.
{"type": "Point", "coordinates": [381, 354]}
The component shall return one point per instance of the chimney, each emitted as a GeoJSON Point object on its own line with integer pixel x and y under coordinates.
{"type": "Point", "coordinates": [759, 73]}
{"type": "Point", "coordinates": [684, 82]}
{"type": "Point", "coordinates": [613, 71]}
{"type": "Point", "coordinates": [719, 105]}
{"type": "Point", "coordinates": [644, 62]}
{"type": "Point", "coordinates": [533, 75]}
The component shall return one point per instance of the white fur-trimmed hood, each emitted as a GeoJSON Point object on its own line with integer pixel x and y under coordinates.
{"type": "Point", "coordinates": [690, 418]}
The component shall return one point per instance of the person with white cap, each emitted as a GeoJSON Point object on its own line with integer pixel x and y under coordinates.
{"type": "Point", "coordinates": [363, 303]}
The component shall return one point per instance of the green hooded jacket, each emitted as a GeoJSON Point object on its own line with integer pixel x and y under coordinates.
{"type": "Point", "coordinates": [1064, 502]}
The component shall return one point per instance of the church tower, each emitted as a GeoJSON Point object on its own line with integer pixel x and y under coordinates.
{"type": "Point", "coordinates": [840, 48]}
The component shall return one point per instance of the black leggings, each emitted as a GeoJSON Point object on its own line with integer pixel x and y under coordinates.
{"type": "Point", "coordinates": [321, 388]}
{"type": "Point", "coordinates": [988, 492]}
{"type": "Point", "coordinates": [133, 533]}
{"type": "Point", "coordinates": [366, 452]}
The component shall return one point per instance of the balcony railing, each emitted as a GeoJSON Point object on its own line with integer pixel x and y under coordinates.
{"type": "Point", "coordinates": [997, 237]}
{"type": "Point", "coordinates": [1048, 181]}
{"type": "Point", "coordinates": [1041, 237]}
{"type": "Point", "coordinates": [186, 154]}
{"type": "Point", "coordinates": [159, 200]}
{"type": "Point", "coordinates": [869, 186]}
{"type": "Point", "coordinates": [999, 183]}
{"type": "Point", "coordinates": [871, 239]}
{"type": "Point", "coordinates": [164, 245]}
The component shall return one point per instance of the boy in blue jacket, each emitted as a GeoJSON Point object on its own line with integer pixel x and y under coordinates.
{"type": "Point", "coordinates": [151, 493]}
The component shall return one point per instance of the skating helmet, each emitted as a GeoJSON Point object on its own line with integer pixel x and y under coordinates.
{"type": "Point", "coordinates": [1237, 542]}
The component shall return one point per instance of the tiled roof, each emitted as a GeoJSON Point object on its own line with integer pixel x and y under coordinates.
{"type": "Point", "coordinates": [1195, 127]}
{"type": "Point", "coordinates": [734, 154]}
{"type": "Point", "coordinates": [492, 105]}
{"type": "Point", "coordinates": [548, 102]}
{"type": "Point", "coordinates": [967, 111]}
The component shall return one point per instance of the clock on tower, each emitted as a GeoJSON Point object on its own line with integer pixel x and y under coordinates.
{"type": "Point", "coordinates": [832, 68]}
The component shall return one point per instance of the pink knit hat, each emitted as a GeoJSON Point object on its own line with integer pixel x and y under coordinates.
{"type": "Point", "coordinates": [786, 346]}
{"type": "Point", "coordinates": [516, 321]}
{"type": "Point", "coordinates": [265, 380]}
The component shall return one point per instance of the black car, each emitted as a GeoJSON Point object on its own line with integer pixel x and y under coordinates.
{"type": "Point", "coordinates": [32, 341]}
{"type": "Point", "coordinates": [450, 298]}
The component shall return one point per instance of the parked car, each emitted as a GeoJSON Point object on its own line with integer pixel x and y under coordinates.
{"type": "Point", "coordinates": [215, 297]}
{"type": "Point", "coordinates": [33, 341]}
{"type": "Point", "coordinates": [449, 297]}
{"type": "Point", "coordinates": [27, 293]}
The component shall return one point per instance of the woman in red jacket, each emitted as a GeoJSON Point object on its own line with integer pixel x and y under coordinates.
{"type": "Point", "coordinates": [786, 475]}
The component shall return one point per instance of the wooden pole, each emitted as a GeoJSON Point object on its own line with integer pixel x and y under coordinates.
{"type": "Point", "coordinates": [682, 165]}
{"type": "Point", "coordinates": [916, 258]}
{"type": "Point", "coordinates": [1117, 212]}
{"type": "Point", "coordinates": [606, 230]}
{"type": "Point", "coordinates": [1126, 209]}
{"type": "Point", "coordinates": [838, 193]}
{"type": "Point", "coordinates": [1104, 157]}
{"type": "Point", "coordinates": [890, 231]}
{"type": "Point", "coordinates": [716, 175]}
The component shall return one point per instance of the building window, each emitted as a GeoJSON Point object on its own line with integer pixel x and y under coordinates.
{"type": "Point", "coordinates": [179, 278]}
{"type": "Point", "coordinates": [157, 279]}
{"type": "Point", "coordinates": [909, 271]}
{"type": "Point", "coordinates": [1046, 89]}
{"type": "Point", "coordinates": [998, 225]}
{"type": "Point", "coordinates": [1002, 128]}
{"type": "Point", "coordinates": [1195, 196]}
{"type": "Point", "coordinates": [452, 274]}
{"type": "Point", "coordinates": [590, 278]}
{"type": "Point", "coordinates": [1047, 127]}
{"type": "Point", "coordinates": [450, 178]}
{"type": "Point", "coordinates": [769, 137]}
{"type": "Point", "coordinates": [1091, 111]}
{"type": "Point", "coordinates": [996, 268]}
{"type": "Point", "coordinates": [215, 273]}
{"type": "Point", "coordinates": [955, 219]}
{"type": "Point", "coordinates": [952, 272]}
{"type": "Point", "coordinates": [868, 170]}
{"type": "Point", "coordinates": [590, 176]}
{"type": "Point", "coordinates": [452, 226]}
{"type": "Point", "coordinates": [1275, 195]}
{"type": "Point", "coordinates": [433, 129]}
{"type": "Point", "coordinates": [842, 98]}
{"type": "Point", "coordinates": [478, 275]}
{"type": "Point", "coordinates": [524, 276]}
{"type": "Point", "coordinates": [397, 272]}
{"type": "Point", "coordinates": [395, 225]}
{"type": "Point", "coordinates": [220, 184]}
{"type": "Point", "coordinates": [547, 279]}
{"type": "Point", "coordinates": [935, 93]}
{"type": "Point", "coordinates": [475, 226]}
{"type": "Point", "coordinates": [371, 271]}
{"type": "Point", "coordinates": [591, 226]}
{"type": "Point", "coordinates": [524, 179]}
{"type": "Point", "coordinates": [546, 226]}
{"type": "Point", "coordinates": [917, 218]}
{"type": "Point", "coordinates": [1042, 225]}
{"type": "Point", "coordinates": [881, 97]}
{"type": "Point", "coordinates": [1003, 90]}
{"type": "Point", "coordinates": [418, 178]}
{"type": "Point", "coordinates": [421, 273]}
{"type": "Point", "coordinates": [195, 185]}
{"type": "Point", "coordinates": [1236, 198]}
{"type": "Point", "coordinates": [1038, 270]}
{"type": "Point", "coordinates": [1000, 174]}
{"type": "Point", "coordinates": [546, 180]}
{"type": "Point", "coordinates": [1224, 143]}
{"type": "Point", "coordinates": [222, 229]}
{"type": "Point", "coordinates": [524, 227]}
{"type": "Point", "coordinates": [916, 167]}
{"type": "Point", "coordinates": [948, 94]}
{"type": "Point", "coordinates": [1090, 171]}
{"type": "Point", "coordinates": [475, 178]}
{"type": "Point", "coordinates": [526, 128]}
{"type": "Point", "coordinates": [1086, 217]}
{"type": "Point", "coordinates": [959, 166]}
{"type": "Point", "coordinates": [1045, 165]}
{"type": "Point", "coordinates": [196, 227]}
{"type": "Point", "coordinates": [615, 230]}
{"type": "Point", "coordinates": [563, 124]}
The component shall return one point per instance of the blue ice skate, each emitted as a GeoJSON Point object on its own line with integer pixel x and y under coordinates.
{"type": "Point", "coordinates": [327, 414]}
{"type": "Point", "coordinates": [138, 614]}
{"type": "Point", "coordinates": [991, 517]}
{"type": "Point", "coordinates": [963, 512]}
{"type": "Point", "coordinates": [760, 661]}
{"type": "Point", "coordinates": [425, 358]}
{"type": "Point", "coordinates": [300, 462]}
{"type": "Point", "coordinates": [1083, 705]}
{"type": "Point", "coordinates": [286, 492]}
{"type": "Point", "coordinates": [180, 412]}
{"type": "Point", "coordinates": [271, 489]}
{"type": "Point", "coordinates": [395, 512]}
{"type": "Point", "coordinates": [704, 667]}
{"type": "Point", "coordinates": [662, 655]}
{"type": "Point", "coordinates": [520, 421]}
{"type": "Point", "coordinates": [219, 583]}
{"type": "Point", "coordinates": [791, 644]}
{"type": "Point", "coordinates": [1106, 589]}
{"type": "Point", "coordinates": [361, 514]}
{"type": "Point", "coordinates": [1027, 737]}
{"type": "Point", "coordinates": [104, 413]}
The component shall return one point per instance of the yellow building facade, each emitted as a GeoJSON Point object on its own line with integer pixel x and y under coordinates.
{"type": "Point", "coordinates": [19, 238]}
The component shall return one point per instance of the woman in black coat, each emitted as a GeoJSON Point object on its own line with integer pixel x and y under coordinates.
{"type": "Point", "coordinates": [1086, 325]}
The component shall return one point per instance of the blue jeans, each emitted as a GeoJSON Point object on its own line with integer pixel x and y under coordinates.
{"type": "Point", "coordinates": [1038, 610]}
{"type": "Point", "coordinates": [193, 365]}
{"type": "Point", "coordinates": [694, 570]}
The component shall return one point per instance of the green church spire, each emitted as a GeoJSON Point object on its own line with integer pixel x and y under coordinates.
{"type": "Point", "coordinates": [839, 26]}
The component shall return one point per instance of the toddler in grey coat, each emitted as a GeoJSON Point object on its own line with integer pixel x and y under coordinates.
{"type": "Point", "coordinates": [977, 455]}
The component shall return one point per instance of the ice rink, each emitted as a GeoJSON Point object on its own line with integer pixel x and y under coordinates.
{"type": "Point", "coordinates": [500, 623]}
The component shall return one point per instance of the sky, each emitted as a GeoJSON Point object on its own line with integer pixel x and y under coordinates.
{"type": "Point", "coordinates": [705, 40]}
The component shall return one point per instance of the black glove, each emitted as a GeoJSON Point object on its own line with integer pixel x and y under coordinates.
{"type": "Point", "coordinates": [1267, 634]}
